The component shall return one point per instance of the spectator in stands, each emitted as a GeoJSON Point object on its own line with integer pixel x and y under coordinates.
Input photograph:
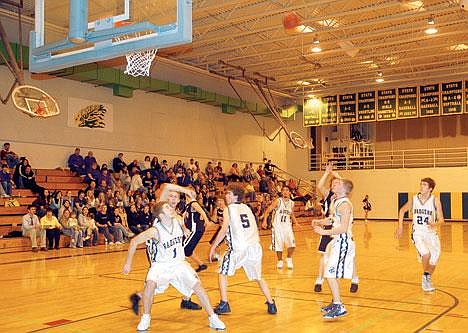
{"type": "Point", "coordinates": [8, 156]}
{"type": "Point", "coordinates": [68, 196]}
{"type": "Point", "coordinates": [185, 178]}
{"type": "Point", "coordinates": [106, 176]}
{"type": "Point", "coordinates": [29, 181]}
{"type": "Point", "coordinates": [133, 220]}
{"type": "Point", "coordinates": [56, 202]}
{"type": "Point", "coordinates": [250, 192]}
{"type": "Point", "coordinates": [80, 202]}
{"type": "Point", "coordinates": [148, 181]}
{"type": "Point", "coordinates": [145, 218]}
{"type": "Point", "coordinates": [104, 225]}
{"type": "Point", "coordinates": [125, 178]}
{"type": "Point", "coordinates": [247, 173]}
{"type": "Point", "coordinates": [118, 163]}
{"type": "Point", "coordinates": [136, 183]}
{"type": "Point", "coordinates": [263, 185]}
{"type": "Point", "coordinates": [52, 226]}
{"type": "Point", "coordinates": [155, 164]}
{"type": "Point", "coordinates": [269, 168]}
{"type": "Point", "coordinates": [32, 228]}
{"type": "Point", "coordinates": [66, 206]}
{"type": "Point", "coordinates": [88, 227]}
{"type": "Point", "coordinates": [76, 163]}
{"type": "Point", "coordinates": [17, 173]}
{"type": "Point", "coordinates": [233, 174]}
{"type": "Point", "coordinates": [6, 182]}
{"type": "Point", "coordinates": [92, 186]}
{"type": "Point", "coordinates": [313, 206]}
{"type": "Point", "coordinates": [89, 160]}
{"type": "Point", "coordinates": [209, 170]}
{"type": "Point", "coordinates": [91, 201]}
{"type": "Point", "coordinates": [260, 171]}
{"type": "Point", "coordinates": [93, 174]}
{"type": "Point", "coordinates": [192, 165]}
{"type": "Point", "coordinates": [146, 164]}
{"type": "Point", "coordinates": [70, 228]}
{"type": "Point", "coordinates": [121, 230]}
{"type": "Point", "coordinates": [133, 167]}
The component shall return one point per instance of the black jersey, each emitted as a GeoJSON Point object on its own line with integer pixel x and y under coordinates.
{"type": "Point", "coordinates": [219, 216]}
{"type": "Point", "coordinates": [326, 207]}
{"type": "Point", "coordinates": [193, 220]}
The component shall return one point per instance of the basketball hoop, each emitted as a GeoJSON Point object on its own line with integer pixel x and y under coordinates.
{"type": "Point", "coordinates": [298, 141]}
{"type": "Point", "coordinates": [138, 62]}
{"type": "Point", "coordinates": [34, 101]}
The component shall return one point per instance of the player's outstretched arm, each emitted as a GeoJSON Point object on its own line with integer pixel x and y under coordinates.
{"type": "Point", "coordinates": [139, 239]}
{"type": "Point", "coordinates": [406, 207]}
{"type": "Point", "coordinates": [201, 211]}
{"type": "Point", "coordinates": [168, 187]}
{"type": "Point", "coordinates": [267, 212]}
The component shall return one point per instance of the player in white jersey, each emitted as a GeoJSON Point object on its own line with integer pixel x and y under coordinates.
{"type": "Point", "coordinates": [427, 212]}
{"type": "Point", "coordinates": [340, 252]}
{"type": "Point", "coordinates": [244, 249]}
{"type": "Point", "coordinates": [282, 234]}
{"type": "Point", "coordinates": [168, 265]}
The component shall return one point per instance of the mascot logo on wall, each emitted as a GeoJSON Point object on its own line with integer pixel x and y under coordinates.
{"type": "Point", "coordinates": [92, 116]}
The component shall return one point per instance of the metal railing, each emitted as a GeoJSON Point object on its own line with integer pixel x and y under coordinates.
{"type": "Point", "coordinates": [395, 159]}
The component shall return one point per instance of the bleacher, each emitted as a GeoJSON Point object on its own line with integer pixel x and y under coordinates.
{"type": "Point", "coordinates": [64, 180]}
{"type": "Point", "coordinates": [10, 217]}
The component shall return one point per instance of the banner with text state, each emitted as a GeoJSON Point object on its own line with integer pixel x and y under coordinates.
{"type": "Point", "coordinates": [429, 100]}
{"type": "Point", "coordinates": [366, 106]}
{"type": "Point", "coordinates": [386, 104]}
{"type": "Point", "coordinates": [329, 111]}
{"type": "Point", "coordinates": [347, 111]}
{"type": "Point", "coordinates": [452, 102]}
{"type": "Point", "coordinates": [407, 103]}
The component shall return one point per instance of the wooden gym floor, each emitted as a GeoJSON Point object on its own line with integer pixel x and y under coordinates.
{"type": "Point", "coordinates": [72, 290]}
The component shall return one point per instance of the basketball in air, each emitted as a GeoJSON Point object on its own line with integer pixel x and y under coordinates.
{"type": "Point", "coordinates": [291, 20]}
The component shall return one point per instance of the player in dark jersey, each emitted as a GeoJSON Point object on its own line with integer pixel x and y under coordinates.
{"type": "Point", "coordinates": [218, 220]}
{"type": "Point", "coordinates": [195, 221]}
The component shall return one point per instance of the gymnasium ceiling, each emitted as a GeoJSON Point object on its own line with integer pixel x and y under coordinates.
{"type": "Point", "coordinates": [359, 40]}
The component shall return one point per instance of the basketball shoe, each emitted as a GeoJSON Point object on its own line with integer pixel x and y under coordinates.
{"type": "Point", "coordinates": [144, 323]}
{"type": "Point", "coordinates": [336, 311]}
{"type": "Point", "coordinates": [216, 323]}
{"type": "Point", "coordinates": [222, 307]}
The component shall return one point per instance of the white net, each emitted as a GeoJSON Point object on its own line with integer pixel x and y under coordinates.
{"type": "Point", "coordinates": [139, 63]}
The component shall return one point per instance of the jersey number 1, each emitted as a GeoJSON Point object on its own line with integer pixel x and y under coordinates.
{"type": "Point", "coordinates": [245, 220]}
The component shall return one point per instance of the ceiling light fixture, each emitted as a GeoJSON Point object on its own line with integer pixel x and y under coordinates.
{"type": "Point", "coordinates": [379, 78]}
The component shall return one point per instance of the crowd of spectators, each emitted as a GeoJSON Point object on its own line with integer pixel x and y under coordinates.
{"type": "Point", "coordinates": [118, 201]}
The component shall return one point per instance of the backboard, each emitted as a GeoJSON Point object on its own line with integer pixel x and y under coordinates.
{"type": "Point", "coordinates": [75, 32]}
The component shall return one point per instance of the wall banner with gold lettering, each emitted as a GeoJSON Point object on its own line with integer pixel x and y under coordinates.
{"type": "Point", "coordinates": [429, 100]}
{"type": "Point", "coordinates": [466, 96]}
{"type": "Point", "coordinates": [330, 110]}
{"type": "Point", "coordinates": [366, 106]}
{"type": "Point", "coordinates": [452, 98]}
{"type": "Point", "coordinates": [311, 112]}
{"type": "Point", "coordinates": [347, 109]}
{"type": "Point", "coordinates": [407, 102]}
{"type": "Point", "coordinates": [386, 104]}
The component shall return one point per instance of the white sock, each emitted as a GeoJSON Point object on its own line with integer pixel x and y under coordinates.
{"type": "Point", "coordinates": [319, 281]}
{"type": "Point", "coordinates": [355, 280]}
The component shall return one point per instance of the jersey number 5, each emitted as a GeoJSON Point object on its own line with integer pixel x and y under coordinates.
{"type": "Point", "coordinates": [245, 220]}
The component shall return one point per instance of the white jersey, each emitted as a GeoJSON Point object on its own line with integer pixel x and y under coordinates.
{"type": "Point", "coordinates": [169, 248]}
{"type": "Point", "coordinates": [283, 212]}
{"type": "Point", "coordinates": [337, 217]}
{"type": "Point", "coordinates": [423, 213]}
{"type": "Point", "coordinates": [242, 231]}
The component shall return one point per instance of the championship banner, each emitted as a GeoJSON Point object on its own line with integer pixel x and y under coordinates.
{"type": "Point", "coordinates": [466, 96]}
{"type": "Point", "coordinates": [311, 112]}
{"type": "Point", "coordinates": [366, 106]}
{"type": "Point", "coordinates": [386, 104]}
{"type": "Point", "coordinates": [329, 110]}
{"type": "Point", "coordinates": [347, 109]}
{"type": "Point", "coordinates": [452, 98]}
{"type": "Point", "coordinates": [407, 103]}
{"type": "Point", "coordinates": [94, 115]}
{"type": "Point", "coordinates": [429, 100]}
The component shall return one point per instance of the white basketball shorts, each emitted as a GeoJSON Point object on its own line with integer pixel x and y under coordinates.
{"type": "Point", "coordinates": [180, 275]}
{"type": "Point", "coordinates": [339, 257]}
{"type": "Point", "coordinates": [427, 242]}
{"type": "Point", "coordinates": [249, 258]}
{"type": "Point", "coordinates": [282, 236]}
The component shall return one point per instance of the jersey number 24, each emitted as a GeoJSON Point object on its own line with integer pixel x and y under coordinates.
{"type": "Point", "coordinates": [420, 220]}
